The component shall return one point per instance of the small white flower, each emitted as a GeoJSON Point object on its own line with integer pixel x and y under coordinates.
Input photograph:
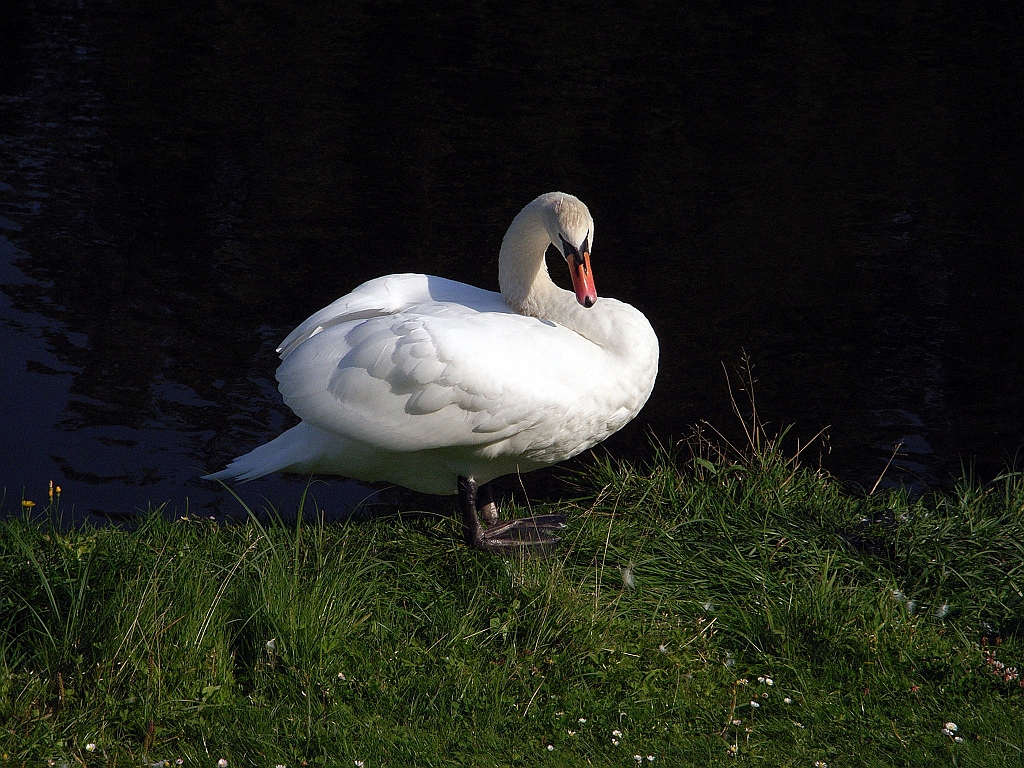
{"type": "Point", "coordinates": [280, 765]}
{"type": "Point", "coordinates": [788, 700]}
{"type": "Point", "coordinates": [638, 758]}
{"type": "Point", "coordinates": [760, 678]}
{"type": "Point", "coordinates": [663, 648]}
{"type": "Point", "coordinates": [769, 681]}
{"type": "Point", "coordinates": [271, 645]}
{"type": "Point", "coordinates": [650, 758]}
{"type": "Point", "coordinates": [222, 763]}
{"type": "Point", "coordinates": [615, 742]}
{"type": "Point", "coordinates": [942, 611]}
{"type": "Point", "coordinates": [737, 721]}
{"type": "Point", "coordinates": [958, 739]}
{"type": "Point", "coordinates": [571, 733]}
{"type": "Point", "coordinates": [179, 761]}
{"type": "Point", "coordinates": [551, 747]}
{"type": "Point", "coordinates": [90, 747]}
{"type": "Point", "coordinates": [911, 607]}
{"type": "Point", "coordinates": [359, 764]}
{"type": "Point", "coordinates": [341, 675]}
{"type": "Point", "coordinates": [582, 720]}
{"type": "Point", "coordinates": [617, 733]}
{"type": "Point", "coordinates": [951, 727]}
{"type": "Point", "coordinates": [755, 705]}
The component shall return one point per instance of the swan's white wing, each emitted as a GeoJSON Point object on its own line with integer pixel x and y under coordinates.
{"type": "Point", "coordinates": [435, 375]}
{"type": "Point", "coordinates": [387, 296]}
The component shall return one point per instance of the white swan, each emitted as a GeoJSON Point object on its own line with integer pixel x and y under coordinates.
{"type": "Point", "coordinates": [441, 387]}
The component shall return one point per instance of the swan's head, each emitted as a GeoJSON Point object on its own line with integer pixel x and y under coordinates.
{"type": "Point", "coordinates": [571, 229]}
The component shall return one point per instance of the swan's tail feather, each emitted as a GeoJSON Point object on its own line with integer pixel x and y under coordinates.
{"type": "Point", "coordinates": [297, 450]}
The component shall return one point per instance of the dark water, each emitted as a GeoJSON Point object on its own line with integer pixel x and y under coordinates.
{"type": "Point", "coordinates": [836, 192]}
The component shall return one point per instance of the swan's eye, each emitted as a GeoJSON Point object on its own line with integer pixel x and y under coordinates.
{"type": "Point", "coordinates": [570, 250]}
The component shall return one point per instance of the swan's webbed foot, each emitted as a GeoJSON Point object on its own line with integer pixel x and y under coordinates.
{"type": "Point", "coordinates": [532, 534]}
{"type": "Point", "coordinates": [526, 534]}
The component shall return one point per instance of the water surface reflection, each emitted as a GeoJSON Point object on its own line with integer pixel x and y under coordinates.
{"type": "Point", "coordinates": [834, 192]}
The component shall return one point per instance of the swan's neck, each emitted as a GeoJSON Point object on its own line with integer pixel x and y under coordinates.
{"type": "Point", "coordinates": [522, 271]}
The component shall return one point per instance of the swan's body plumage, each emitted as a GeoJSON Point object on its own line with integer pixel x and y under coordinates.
{"type": "Point", "coordinates": [418, 380]}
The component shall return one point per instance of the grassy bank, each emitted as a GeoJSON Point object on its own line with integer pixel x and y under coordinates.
{"type": "Point", "coordinates": [705, 611]}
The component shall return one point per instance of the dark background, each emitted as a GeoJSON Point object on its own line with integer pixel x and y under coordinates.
{"type": "Point", "coordinates": [834, 189]}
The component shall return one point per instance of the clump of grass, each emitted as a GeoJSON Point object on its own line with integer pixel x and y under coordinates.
{"type": "Point", "coordinates": [714, 605]}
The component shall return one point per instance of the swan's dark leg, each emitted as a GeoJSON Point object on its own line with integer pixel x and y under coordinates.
{"type": "Point", "coordinates": [534, 534]}
{"type": "Point", "coordinates": [471, 529]}
{"type": "Point", "coordinates": [485, 505]}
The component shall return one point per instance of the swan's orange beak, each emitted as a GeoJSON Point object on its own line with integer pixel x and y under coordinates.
{"type": "Point", "coordinates": [582, 278]}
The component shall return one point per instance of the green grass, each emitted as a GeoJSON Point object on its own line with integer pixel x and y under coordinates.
{"type": "Point", "coordinates": [681, 588]}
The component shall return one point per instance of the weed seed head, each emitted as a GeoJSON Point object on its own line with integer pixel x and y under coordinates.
{"type": "Point", "coordinates": [628, 579]}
